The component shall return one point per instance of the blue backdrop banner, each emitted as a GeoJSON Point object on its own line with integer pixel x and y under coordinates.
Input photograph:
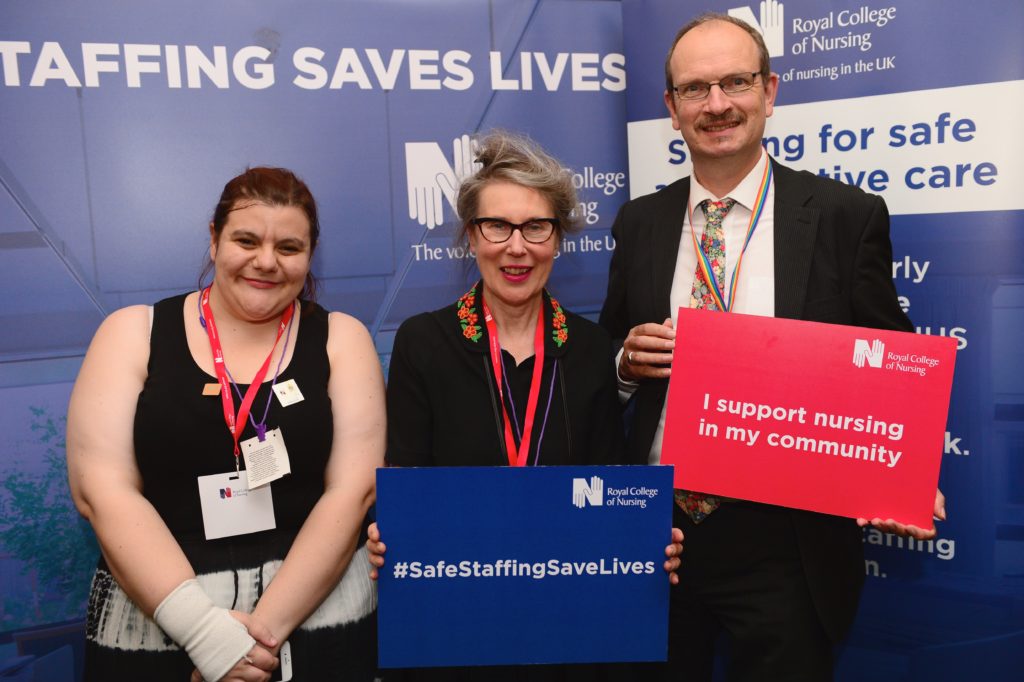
{"type": "Point", "coordinates": [499, 565]}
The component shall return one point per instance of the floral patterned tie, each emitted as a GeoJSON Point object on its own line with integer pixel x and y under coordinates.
{"type": "Point", "coordinates": [698, 505]}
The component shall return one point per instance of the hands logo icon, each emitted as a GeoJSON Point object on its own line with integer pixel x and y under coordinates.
{"type": "Point", "coordinates": [583, 493]}
{"type": "Point", "coordinates": [770, 25]}
{"type": "Point", "coordinates": [429, 177]}
{"type": "Point", "coordinates": [873, 354]}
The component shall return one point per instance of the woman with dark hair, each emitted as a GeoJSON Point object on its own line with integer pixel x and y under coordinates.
{"type": "Point", "coordinates": [223, 551]}
{"type": "Point", "coordinates": [461, 378]}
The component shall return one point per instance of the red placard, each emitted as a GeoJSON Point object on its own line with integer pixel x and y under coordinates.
{"type": "Point", "coordinates": [830, 418]}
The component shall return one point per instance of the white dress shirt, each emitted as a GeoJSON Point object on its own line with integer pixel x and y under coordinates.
{"type": "Point", "coordinates": [755, 293]}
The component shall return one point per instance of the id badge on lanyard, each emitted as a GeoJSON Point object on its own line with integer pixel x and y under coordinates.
{"type": "Point", "coordinates": [230, 507]}
{"type": "Point", "coordinates": [236, 503]}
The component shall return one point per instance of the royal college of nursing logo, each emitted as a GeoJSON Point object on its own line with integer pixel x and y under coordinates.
{"type": "Point", "coordinates": [770, 24]}
{"type": "Point", "coordinates": [592, 493]}
{"type": "Point", "coordinates": [871, 353]}
{"type": "Point", "coordinates": [429, 177]}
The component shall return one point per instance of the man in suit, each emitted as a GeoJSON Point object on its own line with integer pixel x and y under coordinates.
{"type": "Point", "coordinates": [781, 584]}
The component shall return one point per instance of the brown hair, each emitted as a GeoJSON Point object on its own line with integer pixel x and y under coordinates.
{"type": "Point", "coordinates": [273, 187]}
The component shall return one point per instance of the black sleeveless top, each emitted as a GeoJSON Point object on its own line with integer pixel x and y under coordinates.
{"type": "Point", "coordinates": [180, 434]}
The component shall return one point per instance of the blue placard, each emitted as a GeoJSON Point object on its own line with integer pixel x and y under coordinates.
{"type": "Point", "coordinates": [500, 565]}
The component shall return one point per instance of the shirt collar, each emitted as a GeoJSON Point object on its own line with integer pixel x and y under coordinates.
{"type": "Point", "coordinates": [744, 194]}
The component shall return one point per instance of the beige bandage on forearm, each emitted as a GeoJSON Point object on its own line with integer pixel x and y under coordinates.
{"type": "Point", "coordinates": [212, 638]}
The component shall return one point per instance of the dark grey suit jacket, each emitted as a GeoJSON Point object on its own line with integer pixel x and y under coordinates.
{"type": "Point", "coordinates": [833, 263]}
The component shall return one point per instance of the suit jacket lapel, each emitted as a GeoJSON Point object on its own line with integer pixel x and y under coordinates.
{"type": "Point", "coordinates": [667, 235]}
{"type": "Point", "coordinates": [796, 228]}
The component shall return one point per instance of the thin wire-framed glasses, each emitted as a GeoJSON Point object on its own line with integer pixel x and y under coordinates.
{"type": "Point", "coordinates": [535, 230]}
{"type": "Point", "coordinates": [731, 85]}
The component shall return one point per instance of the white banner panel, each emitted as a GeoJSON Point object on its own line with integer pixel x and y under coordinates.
{"type": "Point", "coordinates": [932, 151]}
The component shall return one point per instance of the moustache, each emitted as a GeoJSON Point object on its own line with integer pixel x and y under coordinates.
{"type": "Point", "coordinates": [714, 121]}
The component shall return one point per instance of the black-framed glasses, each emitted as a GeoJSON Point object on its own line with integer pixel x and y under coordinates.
{"type": "Point", "coordinates": [535, 230]}
{"type": "Point", "coordinates": [732, 84]}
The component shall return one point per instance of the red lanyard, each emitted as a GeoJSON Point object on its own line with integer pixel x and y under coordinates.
{"type": "Point", "coordinates": [226, 398]}
{"type": "Point", "coordinates": [517, 456]}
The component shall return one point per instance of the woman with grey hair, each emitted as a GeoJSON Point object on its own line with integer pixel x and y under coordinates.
{"type": "Point", "coordinates": [461, 377]}
{"type": "Point", "coordinates": [514, 213]}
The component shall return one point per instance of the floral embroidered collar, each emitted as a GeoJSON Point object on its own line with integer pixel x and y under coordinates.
{"type": "Point", "coordinates": [473, 330]}
{"type": "Point", "coordinates": [468, 317]}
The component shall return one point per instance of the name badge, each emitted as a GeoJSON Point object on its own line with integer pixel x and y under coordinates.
{"type": "Point", "coordinates": [288, 393]}
{"type": "Point", "coordinates": [230, 507]}
{"type": "Point", "coordinates": [265, 460]}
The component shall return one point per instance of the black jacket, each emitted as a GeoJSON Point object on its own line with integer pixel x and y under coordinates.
{"type": "Point", "coordinates": [833, 263]}
{"type": "Point", "coordinates": [443, 407]}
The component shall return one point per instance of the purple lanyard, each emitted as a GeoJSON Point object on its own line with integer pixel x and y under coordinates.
{"type": "Point", "coordinates": [515, 419]}
{"type": "Point", "coordinates": [261, 427]}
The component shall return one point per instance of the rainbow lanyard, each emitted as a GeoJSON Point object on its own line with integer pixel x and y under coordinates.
{"type": "Point", "coordinates": [704, 263]}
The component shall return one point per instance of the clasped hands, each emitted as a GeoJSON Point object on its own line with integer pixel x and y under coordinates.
{"type": "Point", "coordinates": [260, 662]}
